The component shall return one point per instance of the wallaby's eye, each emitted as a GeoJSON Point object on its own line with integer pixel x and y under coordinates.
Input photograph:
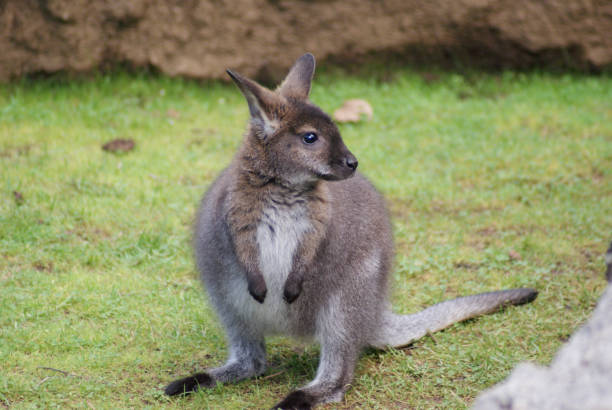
{"type": "Point", "coordinates": [309, 137]}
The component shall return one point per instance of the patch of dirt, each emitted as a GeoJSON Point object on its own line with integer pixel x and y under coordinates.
{"type": "Point", "coordinates": [514, 255]}
{"type": "Point", "coordinates": [430, 78]}
{"type": "Point", "coordinates": [18, 197]}
{"type": "Point", "coordinates": [464, 95]}
{"type": "Point", "coordinates": [16, 151]}
{"type": "Point", "coordinates": [261, 38]}
{"type": "Point", "coordinates": [43, 266]}
{"type": "Point", "coordinates": [119, 145]}
{"type": "Point", "coordinates": [467, 266]}
{"type": "Point", "coordinates": [401, 208]}
{"type": "Point", "coordinates": [88, 233]}
{"type": "Point", "coordinates": [589, 255]}
{"type": "Point", "coordinates": [558, 269]}
{"type": "Point", "coordinates": [487, 231]}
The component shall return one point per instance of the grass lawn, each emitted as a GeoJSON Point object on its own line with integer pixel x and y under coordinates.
{"type": "Point", "coordinates": [493, 180]}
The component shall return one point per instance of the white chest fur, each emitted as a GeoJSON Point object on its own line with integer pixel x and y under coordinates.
{"type": "Point", "coordinates": [278, 236]}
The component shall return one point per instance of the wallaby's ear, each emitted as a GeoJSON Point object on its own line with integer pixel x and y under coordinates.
{"type": "Point", "coordinates": [261, 102]}
{"type": "Point", "coordinates": [297, 82]}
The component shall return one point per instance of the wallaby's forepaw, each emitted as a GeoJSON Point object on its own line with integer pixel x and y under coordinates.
{"type": "Point", "coordinates": [189, 384]}
{"type": "Point", "coordinates": [258, 289]}
{"type": "Point", "coordinates": [296, 400]}
{"type": "Point", "coordinates": [292, 290]}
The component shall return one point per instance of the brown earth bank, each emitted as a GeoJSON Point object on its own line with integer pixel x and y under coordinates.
{"type": "Point", "coordinates": [261, 38]}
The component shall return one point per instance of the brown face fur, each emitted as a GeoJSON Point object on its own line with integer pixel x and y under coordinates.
{"type": "Point", "coordinates": [290, 139]}
{"type": "Point", "coordinates": [298, 161]}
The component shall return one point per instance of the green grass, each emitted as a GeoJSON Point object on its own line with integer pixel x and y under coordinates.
{"type": "Point", "coordinates": [493, 181]}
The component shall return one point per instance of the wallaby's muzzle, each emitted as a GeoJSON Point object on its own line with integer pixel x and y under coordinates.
{"type": "Point", "coordinates": [351, 162]}
{"type": "Point", "coordinates": [342, 168]}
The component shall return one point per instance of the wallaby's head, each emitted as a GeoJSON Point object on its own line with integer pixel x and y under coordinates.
{"type": "Point", "coordinates": [289, 137]}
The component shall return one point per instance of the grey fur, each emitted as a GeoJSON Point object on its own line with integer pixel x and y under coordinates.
{"type": "Point", "coordinates": [343, 292]}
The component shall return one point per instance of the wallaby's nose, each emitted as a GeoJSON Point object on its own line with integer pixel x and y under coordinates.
{"type": "Point", "coordinates": [351, 162]}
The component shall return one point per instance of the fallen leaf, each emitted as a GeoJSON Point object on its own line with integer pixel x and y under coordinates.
{"type": "Point", "coordinates": [353, 110]}
{"type": "Point", "coordinates": [119, 145]}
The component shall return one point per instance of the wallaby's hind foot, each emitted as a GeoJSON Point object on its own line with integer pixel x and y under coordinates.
{"type": "Point", "coordinates": [232, 371]}
{"type": "Point", "coordinates": [247, 358]}
{"type": "Point", "coordinates": [296, 400]}
{"type": "Point", "coordinates": [401, 330]}
{"type": "Point", "coordinates": [189, 384]}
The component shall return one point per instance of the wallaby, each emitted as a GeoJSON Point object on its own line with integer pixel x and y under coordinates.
{"type": "Point", "coordinates": [291, 240]}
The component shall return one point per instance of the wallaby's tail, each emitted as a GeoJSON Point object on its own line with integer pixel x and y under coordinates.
{"type": "Point", "coordinates": [401, 330]}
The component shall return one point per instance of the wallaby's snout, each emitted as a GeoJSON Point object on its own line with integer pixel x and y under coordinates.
{"type": "Point", "coordinates": [341, 163]}
{"type": "Point", "coordinates": [351, 162]}
{"type": "Point", "coordinates": [344, 167]}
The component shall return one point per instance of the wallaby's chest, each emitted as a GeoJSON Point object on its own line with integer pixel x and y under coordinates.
{"type": "Point", "coordinates": [279, 233]}
{"type": "Point", "coordinates": [280, 229]}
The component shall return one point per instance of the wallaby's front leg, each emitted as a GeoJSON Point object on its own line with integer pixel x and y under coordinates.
{"type": "Point", "coordinates": [257, 285]}
{"type": "Point", "coordinates": [247, 358]}
{"type": "Point", "coordinates": [302, 258]}
{"type": "Point", "coordinates": [308, 246]}
{"type": "Point", "coordinates": [247, 252]}
{"type": "Point", "coordinates": [293, 285]}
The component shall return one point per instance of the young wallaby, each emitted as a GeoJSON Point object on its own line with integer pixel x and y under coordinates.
{"type": "Point", "coordinates": [291, 240]}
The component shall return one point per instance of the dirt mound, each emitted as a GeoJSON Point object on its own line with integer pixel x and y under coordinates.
{"type": "Point", "coordinates": [262, 37]}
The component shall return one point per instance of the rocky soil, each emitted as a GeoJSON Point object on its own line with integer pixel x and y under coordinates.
{"type": "Point", "coordinates": [261, 38]}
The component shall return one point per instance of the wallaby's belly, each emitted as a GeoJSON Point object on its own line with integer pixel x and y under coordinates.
{"type": "Point", "coordinates": [269, 318]}
{"type": "Point", "coordinates": [278, 236]}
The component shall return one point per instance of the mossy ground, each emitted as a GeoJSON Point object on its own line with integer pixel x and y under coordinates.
{"type": "Point", "coordinates": [493, 181]}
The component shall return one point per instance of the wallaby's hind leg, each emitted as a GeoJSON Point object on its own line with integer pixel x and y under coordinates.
{"type": "Point", "coordinates": [335, 372]}
{"type": "Point", "coordinates": [247, 358]}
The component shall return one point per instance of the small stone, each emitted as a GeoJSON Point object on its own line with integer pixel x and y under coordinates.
{"type": "Point", "coordinates": [353, 111]}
